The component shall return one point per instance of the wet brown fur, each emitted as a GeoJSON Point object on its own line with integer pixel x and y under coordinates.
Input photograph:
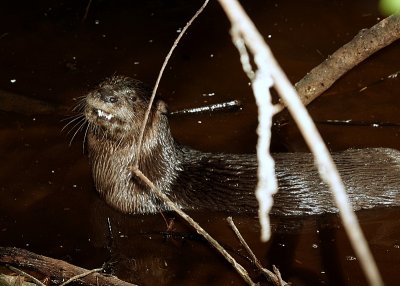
{"type": "Point", "coordinates": [223, 182]}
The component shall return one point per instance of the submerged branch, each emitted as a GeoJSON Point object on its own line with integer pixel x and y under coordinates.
{"type": "Point", "coordinates": [12, 102]}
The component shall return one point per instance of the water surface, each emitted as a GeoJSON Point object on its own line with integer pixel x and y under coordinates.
{"type": "Point", "coordinates": [48, 203]}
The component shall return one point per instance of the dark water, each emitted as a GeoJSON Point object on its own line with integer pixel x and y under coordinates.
{"type": "Point", "coordinates": [47, 200]}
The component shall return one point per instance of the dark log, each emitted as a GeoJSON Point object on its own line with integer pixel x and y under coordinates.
{"type": "Point", "coordinates": [55, 268]}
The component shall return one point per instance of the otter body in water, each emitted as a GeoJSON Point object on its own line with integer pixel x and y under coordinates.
{"type": "Point", "coordinates": [223, 182]}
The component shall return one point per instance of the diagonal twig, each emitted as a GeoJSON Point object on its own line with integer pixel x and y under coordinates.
{"type": "Point", "coordinates": [26, 275]}
{"type": "Point", "coordinates": [239, 268]}
{"type": "Point", "coordinates": [160, 74]}
{"type": "Point", "coordinates": [273, 276]}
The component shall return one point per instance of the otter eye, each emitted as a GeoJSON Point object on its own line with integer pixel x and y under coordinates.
{"type": "Point", "coordinates": [113, 99]}
{"type": "Point", "coordinates": [133, 98]}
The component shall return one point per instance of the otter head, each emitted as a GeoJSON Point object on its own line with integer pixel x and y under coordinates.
{"type": "Point", "coordinates": [115, 109]}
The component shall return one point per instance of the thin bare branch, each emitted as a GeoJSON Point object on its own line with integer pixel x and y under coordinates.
{"type": "Point", "coordinates": [276, 279]}
{"type": "Point", "coordinates": [76, 277]}
{"type": "Point", "coordinates": [87, 10]}
{"type": "Point", "coordinates": [239, 268]}
{"type": "Point", "coordinates": [324, 162]}
{"type": "Point", "coordinates": [26, 275]}
{"type": "Point", "coordinates": [143, 127]}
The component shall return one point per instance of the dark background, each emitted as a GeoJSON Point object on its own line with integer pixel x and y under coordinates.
{"type": "Point", "coordinates": [51, 52]}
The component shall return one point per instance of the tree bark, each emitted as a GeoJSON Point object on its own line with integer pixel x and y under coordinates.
{"type": "Point", "coordinates": [363, 45]}
{"type": "Point", "coordinates": [55, 268]}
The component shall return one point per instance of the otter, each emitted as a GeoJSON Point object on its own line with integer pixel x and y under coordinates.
{"type": "Point", "coordinates": [197, 180]}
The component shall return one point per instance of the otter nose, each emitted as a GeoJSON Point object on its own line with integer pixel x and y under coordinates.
{"type": "Point", "coordinates": [108, 96]}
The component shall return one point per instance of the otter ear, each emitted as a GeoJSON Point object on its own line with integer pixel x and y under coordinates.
{"type": "Point", "coordinates": [162, 107]}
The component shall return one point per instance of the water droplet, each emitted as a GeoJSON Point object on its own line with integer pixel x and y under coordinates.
{"type": "Point", "coordinates": [315, 245]}
{"type": "Point", "coordinates": [13, 80]}
{"type": "Point", "coordinates": [96, 22]}
{"type": "Point", "coordinates": [350, 258]}
{"type": "Point", "coordinates": [209, 94]}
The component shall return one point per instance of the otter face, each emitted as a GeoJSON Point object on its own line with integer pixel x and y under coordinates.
{"type": "Point", "coordinates": [116, 108]}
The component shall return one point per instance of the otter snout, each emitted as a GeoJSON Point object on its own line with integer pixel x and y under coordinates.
{"type": "Point", "coordinates": [108, 96]}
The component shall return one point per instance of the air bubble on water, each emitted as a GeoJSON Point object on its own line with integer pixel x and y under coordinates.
{"type": "Point", "coordinates": [350, 258]}
{"type": "Point", "coordinates": [209, 94]}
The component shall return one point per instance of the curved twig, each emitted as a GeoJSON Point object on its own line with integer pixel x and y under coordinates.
{"type": "Point", "coordinates": [160, 74]}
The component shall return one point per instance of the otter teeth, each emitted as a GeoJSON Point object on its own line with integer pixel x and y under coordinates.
{"type": "Point", "coordinates": [103, 114]}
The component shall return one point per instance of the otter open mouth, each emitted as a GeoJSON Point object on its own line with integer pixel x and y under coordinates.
{"type": "Point", "coordinates": [101, 114]}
